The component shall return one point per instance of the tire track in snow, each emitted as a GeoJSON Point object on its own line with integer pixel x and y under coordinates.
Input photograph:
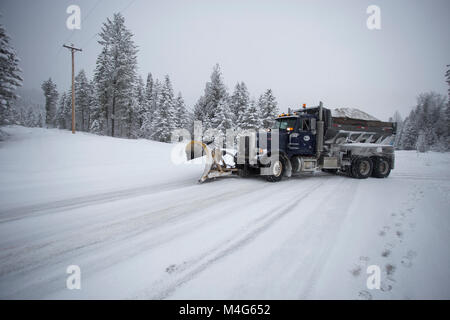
{"type": "Point", "coordinates": [83, 201]}
{"type": "Point", "coordinates": [112, 233]}
{"type": "Point", "coordinates": [413, 176]}
{"type": "Point", "coordinates": [229, 246]}
{"type": "Point", "coordinates": [51, 259]}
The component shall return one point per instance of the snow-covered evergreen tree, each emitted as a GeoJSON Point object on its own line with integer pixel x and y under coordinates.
{"type": "Point", "coordinates": [208, 105]}
{"type": "Point", "coordinates": [10, 78]}
{"type": "Point", "coordinates": [447, 76]}
{"type": "Point", "coordinates": [64, 114]}
{"type": "Point", "coordinates": [240, 102]}
{"type": "Point", "coordinates": [421, 144]}
{"type": "Point", "coordinates": [149, 93]}
{"type": "Point", "coordinates": [25, 110]}
{"type": "Point", "coordinates": [135, 110]}
{"type": "Point", "coordinates": [249, 119]}
{"type": "Point", "coordinates": [152, 95]}
{"type": "Point", "coordinates": [82, 101]}
{"type": "Point", "coordinates": [115, 74]}
{"type": "Point", "coordinates": [163, 122]}
{"type": "Point", "coordinates": [100, 114]}
{"type": "Point", "coordinates": [430, 119]}
{"type": "Point", "coordinates": [409, 133]}
{"type": "Point", "coordinates": [268, 109]}
{"type": "Point", "coordinates": [200, 110]}
{"type": "Point", "coordinates": [181, 113]}
{"type": "Point", "coordinates": [223, 119]}
{"type": "Point", "coordinates": [51, 100]}
{"type": "Point", "coordinates": [141, 109]}
{"type": "Point", "coordinates": [93, 104]}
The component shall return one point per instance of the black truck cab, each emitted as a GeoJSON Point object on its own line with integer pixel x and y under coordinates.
{"type": "Point", "coordinates": [297, 134]}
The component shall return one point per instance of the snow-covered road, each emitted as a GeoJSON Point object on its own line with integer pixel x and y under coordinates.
{"type": "Point", "coordinates": [140, 226]}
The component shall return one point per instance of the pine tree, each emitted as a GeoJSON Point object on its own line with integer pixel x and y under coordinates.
{"type": "Point", "coordinates": [430, 118]}
{"type": "Point", "coordinates": [250, 118]}
{"type": "Point", "coordinates": [93, 105]}
{"type": "Point", "coordinates": [64, 114]}
{"type": "Point", "coordinates": [447, 76]}
{"type": "Point", "coordinates": [10, 78]}
{"type": "Point", "coordinates": [152, 94]}
{"type": "Point", "coordinates": [223, 119]}
{"type": "Point", "coordinates": [115, 74]}
{"type": "Point", "coordinates": [134, 111]}
{"type": "Point", "coordinates": [149, 94]}
{"type": "Point", "coordinates": [51, 99]}
{"type": "Point", "coordinates": [200, 110]}
{"type": "Point", "coordinates": [148, 108]}
{"type": "Point", "coordinates": [409, 134]}
{"type": "Point", "coordinates": [141, 109]}
{"type": "Point", "coordinates": [24, 110]}
{"type": "Point", "coordinates": [421, 144]}
{"type": "Point", "coordinates": [240, 102]}
{"type": "Point", "coordinates": [181, 113]}
{"type": "Point", "coordinates": [164, 118]}
{"type": "Point", "coordinates": [82, 101]}
{"type": "Point", "coordinates": [208, 105]}
{"type": "Point", "coordinates": [268, 109]}
{"type": "Point", "coordinates": [100, 114]}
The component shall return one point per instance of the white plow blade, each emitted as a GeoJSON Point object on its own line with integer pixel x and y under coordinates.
{"type": "Point", "coordinates": [215, 165]}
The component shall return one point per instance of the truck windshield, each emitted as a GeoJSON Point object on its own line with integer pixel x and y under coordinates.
{"type": "Point", "coordinates": [284, 123]}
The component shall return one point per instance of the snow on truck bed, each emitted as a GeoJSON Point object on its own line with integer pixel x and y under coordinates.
{"type": "Point", "coordinates": [352, 113]}
{"type": "Point", "coordinates": [139, 226]}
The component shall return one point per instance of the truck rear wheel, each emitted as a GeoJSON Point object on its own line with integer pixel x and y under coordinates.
{"type": "Point", "coordinates": [381, 168]}
{"type": "Point", "coordinates": [362, 168]}
{"type": "Point", "coordinates": [277, 171]}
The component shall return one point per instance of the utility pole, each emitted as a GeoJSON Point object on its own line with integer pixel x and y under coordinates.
{"type": "Point", "coordinates": [73, 49]}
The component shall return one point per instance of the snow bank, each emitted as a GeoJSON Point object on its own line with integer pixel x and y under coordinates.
{"type": "Point", "coordinates": [41, 165]}
{"type": "Point", "coordinates": [139, 226]}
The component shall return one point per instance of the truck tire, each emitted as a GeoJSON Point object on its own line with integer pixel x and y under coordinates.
{"type": "Point", "coordinates": [277, 170]}
{"type": "Point", "coordinates": [361, 168]}
{"type": "Point", "coordinates": [243, 173]}
{"type": "Point", "coordinates": [381, 167]}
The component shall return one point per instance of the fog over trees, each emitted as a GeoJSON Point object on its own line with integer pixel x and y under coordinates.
{"type": "Point", "coordinates": [117, 102]}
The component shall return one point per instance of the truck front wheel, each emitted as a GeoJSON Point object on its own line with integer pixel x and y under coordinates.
{"type": "Point", "coordinates": [276, 170]}
{"type": "Point", "coordinates": [362, 168]}
{"type": "Point", "coordinates": [381, 168]}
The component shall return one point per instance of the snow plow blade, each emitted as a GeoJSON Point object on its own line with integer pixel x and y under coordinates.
{"type": "Point", "coordinates": [215, 165]}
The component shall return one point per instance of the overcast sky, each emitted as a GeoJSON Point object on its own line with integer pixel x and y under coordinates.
{"type": "Point", "coordinates": [305, 51]}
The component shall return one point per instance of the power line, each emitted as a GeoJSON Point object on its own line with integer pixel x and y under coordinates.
{"type": "Point", "coordinates": [85, 44]}
{"type": "Point", "coordinates": [82, 20]}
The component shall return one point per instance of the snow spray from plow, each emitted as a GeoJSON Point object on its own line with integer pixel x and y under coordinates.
{"type": "Point", "coordinates": [215, 164]}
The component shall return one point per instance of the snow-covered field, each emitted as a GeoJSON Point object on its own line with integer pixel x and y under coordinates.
{"type": "Point", "coordinates": [139, 226]}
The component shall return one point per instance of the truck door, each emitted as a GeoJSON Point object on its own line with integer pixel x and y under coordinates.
{"type": "Point", "coordinates": [303, 141]}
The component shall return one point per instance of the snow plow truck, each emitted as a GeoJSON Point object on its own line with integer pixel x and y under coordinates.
{"type": "Point", "coordinates": [305, 140]}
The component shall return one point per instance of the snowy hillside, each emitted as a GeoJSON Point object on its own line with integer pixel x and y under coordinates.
{"type": "Point", "coordinates": [352, 113]}
{"type": "Point", "coordinates": [139, 226]}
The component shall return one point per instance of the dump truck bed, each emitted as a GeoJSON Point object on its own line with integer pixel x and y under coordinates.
{"type": "Point", "coordinates": [375, 130]}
